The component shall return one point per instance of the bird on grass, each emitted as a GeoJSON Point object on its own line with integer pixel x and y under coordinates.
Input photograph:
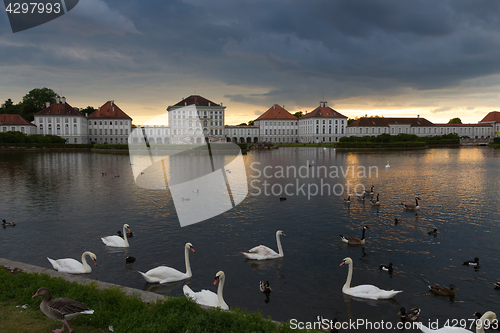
{"type": "Point", "coordinates": [62, 309]}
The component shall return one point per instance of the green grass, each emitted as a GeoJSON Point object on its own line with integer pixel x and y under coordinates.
{"type": "Point", "coordinates": [113, 307]}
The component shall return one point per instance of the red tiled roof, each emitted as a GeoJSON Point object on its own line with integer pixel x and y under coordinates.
{"type": "Point", "coordinates": [323, 111]}
{"type": "Point", "coordinates": [13, 119]}
{"type": "Point", "coordinates": [109, 110]}
{"type": "Point", "coordinates": [196, 100]}
{"type": "Point", "coordinates": [493, 116]}
{"type": "Point", "coordinates": [414, 122]}
{"type": "Point", "coordinates": [276, 112]}
{"type": "Point", "coordinates": [63, 109]}
{"type": "Point", "coordinates": [464, 125]}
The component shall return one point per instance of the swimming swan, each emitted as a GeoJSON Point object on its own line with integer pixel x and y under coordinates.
{"type": "Point", "coordinates": [262, 252]}
{"type": "Point", "coordinates": [164, 274]}
{"type": "Point", "coordinates": [117, 241]}
{"type": "Point", "coordinates": [207, 297]}
{"type": "Point", "coordinates": [74, 266]}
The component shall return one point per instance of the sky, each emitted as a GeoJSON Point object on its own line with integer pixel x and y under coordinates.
{"type": "Point", "coordinates": [436, 59]}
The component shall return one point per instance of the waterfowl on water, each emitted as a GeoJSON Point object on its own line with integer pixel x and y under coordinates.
{"type": "Point", "coordinates": [355, 240]}
{"type": "Point", "coordinates": [129, 234]}
{"type": "Point", "coordinates": [264, 287]}
{"type": "Point", "coordinates": [282, 198]}
{"type": "Point", "coordinates": [388, 165]}
{"type": "Point", "coordinates": [370, 192]}
{"type": "Point", "coordinates": [62, 309]}
{"type": "Point", "coordinates": [411, 207]}
{"type": "Point", "coordinates": [8, 224]}
{"type": "Point", "coordinates": [348, 199]}
{"type": "Point", "coordinates": [433, 232]}
{"type": "Point", "coordinates": [375, 202]}
{"type": "Point", "coordinates": [488, 317]}
{"type": "Point", "coordinates": [396, 221]}
{"type": "Point", "coordinates": [73, 266]}
{"type": "Point", "coordinates": [387, 268]}
{"type": "Point", "coordinates": [207, 297]}
{"type": "Point", "coordinates": [361, 197]}
{"type": "Point", "coordinates": [130, 260]}
{"type": "Point", "coordinates": [497, 285]}
{"type": "Point", "coordinates": [117, 241]}
{"type": "Point", "coordinates": [410, 315]}
{"type": "Point", "coordinates": [262, 252]}
{"type": "Point", "coordinates": [364, 291]}
{"type": "Point", "coordinates": [474, 262]}
{"type": "Point", "coordinates": [443, 291]}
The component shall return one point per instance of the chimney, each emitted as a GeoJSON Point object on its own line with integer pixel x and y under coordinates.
{"type": "Point", "coordinates": [274, 106]}
{"type": "Point", "coordinates": [418, 116]}
{"type": "Point", "coordinates": [47, 104]}
{"type": "Point", "coordinates": [99, 108]}
{"type": "Point", "coordinates": [113, 109]}
{"type": "Point", "coordinates": [208, 103]}
{"type": "Point", "coordinates": [325, 104]}
{"type": "Point", "coordinates": [112, 102]}
{"type": "Point", "coordinates": [57, 100]}
{"type": "Point", "coordinates": [86, 115]}
{"type": "Point", "coordinates": [63, 100]}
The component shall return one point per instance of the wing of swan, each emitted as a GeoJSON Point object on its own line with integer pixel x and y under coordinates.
{"type": "Point", "coordinates": [207, 297]}
{"type": "Point", "coordinates": [73, 266]}
{"type": "Point", "coordinates": [366, 290]}
{"type": "Point", "coordinates": [487, 317]}
{"type": "Point", "coordinates": [117, 241]}
{"type": "Point", "coordinates": [164, 274]}
{"type": "Point", "coordinates": [262, 252]}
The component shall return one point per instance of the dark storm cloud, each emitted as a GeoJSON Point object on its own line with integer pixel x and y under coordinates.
{"type": "Point", "coordinates": [292, 50]}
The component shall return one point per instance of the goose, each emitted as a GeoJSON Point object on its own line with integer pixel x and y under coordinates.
{"type": "Point", "coordinates": [411, 207]}
{"type": "Point", "coordinates": [474, 263]}
{"type": "Point", "coordinates": [347, 200]}
{"type": "Point", "coordinates": [443, 291]}
{"type": "Point", "coordinates": [8, 224]}
{"type": "Point", "coordinates": [411, 315]}
{"type": "Point", "coordinates": [129, 234]}
{"type": "Point", "coordinates": [164, 274]}
{"type": "Point", "coordinates": [370, 192]}
{"type": "Point", "coordinates": [73, 266]}
{"type": "Point", "coordinates": [366, 290]}
{"type": "Point", "coordinates": [489, 317]}
{"type": "Point", "coordinates": [388, 165]}
{"type": "Point", "coordinates": [264, 287]}
{"type": "Point", "coordinates": [361, 197]}
{"type": "Point", "coordinates": [433, 232]}
{"type": "Point", "coordinates": [355, 240]}
{"type": "Point", "coordinates": [62, 309]}
{"type": "Point", "coordinates": [207, 297]}
{"type": "Point", "coordinates": [262, 252]}
{"type": "Point", "coordinates": [387, 268]}
{"type": "Point", "coordinates": [375, 202]}
{"type": "Point", "coordinates": [117, 241]}
{"type": "Point", "coordinates": [396, 221]}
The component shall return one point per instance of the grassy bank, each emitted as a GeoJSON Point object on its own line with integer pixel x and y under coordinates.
{"type": "Point", "coordinates": [113, 307]}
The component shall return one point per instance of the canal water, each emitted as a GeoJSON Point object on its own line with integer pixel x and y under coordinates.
{"type": "Point", "coordinates": [63, 204]}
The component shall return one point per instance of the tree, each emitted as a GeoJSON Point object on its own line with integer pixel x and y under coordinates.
{"type": "Point", "coordinates": [35, 100]}
{"type": "Point", "coordinates": [455, 121]}
{"type": "Point", "coordinates": [88, 110]}
{"type": "Point", "coordinates": [8, 103]}
{"type": "Point", "coordinates": [250, 123]}
{"type": "Point", "coordinates": [298, 114]}
{"type": "Point", "coordinates": [351, 120]}
{"type": "Point", "coordinates": [242, 124]}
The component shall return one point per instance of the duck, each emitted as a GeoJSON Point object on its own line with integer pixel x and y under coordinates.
{"type": "Point", "coordinates": [8, 224]}
{"type": "Point", "coordinates": [388, 165]}
{"type": "Point", "coordinates": [282, 198]}
{"type": "Point", "coordinates": [443, 291]}
{"type": "Point", "coordinates": [411, 315]}
{"type": "Point", "coordinates": [433, 232]}
{"type": "Point", "coordinates": [129, 234]}
{"type": "Point", "coordinates": [62, 309]}
{"type": "Point", "coordinates": [488, 317]}
{"type": "Point", "coordinates": [387, 268]}
{"type": "Point", "coordinates": [367, 291]}
{"type": "Point", "coordinates": [130, 260]}
{"type": "Point", "coordinates": [396, 221]}
{"type": "Point", "coordinates": [375, 202]}
{"type": "Point", "coordinates": [73, 266]}
{"type": "Point", "coordinates": [264, 287]}
{"type": "Point", "coordinates": [347, 200]}
{"type": "Point", "coordinates": [207, 297]}
{"type": "Point", "coordinates": [117, 241]}
{"type": "Point", "coordinates": [361, 197]}
{"type": "Point", "coordinates": [164, 274]}
{"type": "Point", "coordinates": [370, 192]}
{"type": "Point", "coordinates": [474, 262]}
{"type": "Point", "coordinates": [410, 207]}
{"type": "Point", "coordinates": [355, 240]}
{"type": "Point", "coordinates": [262, 252]}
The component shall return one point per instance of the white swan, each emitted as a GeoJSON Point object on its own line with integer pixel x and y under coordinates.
{"type": "Point", "coordinates": [207, 297]}
{"type": "Point", "coordinates": [73, 266]}
{"type": "Point", "coordinates": [262, 252]}
{"type": "Point", "coordinates": [164, 274]}
{"type": "Point", "coordinates": [488, 318]}
{"type": "Point", "coordinates": [366, 290]}
{"type": "Point", "coordinates": [388, 165]}
{"type": "Point", "coordinates": [117, 241]}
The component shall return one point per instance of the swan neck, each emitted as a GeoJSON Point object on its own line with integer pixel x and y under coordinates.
{"type": "Point", "coordinates": [362, 236]}
{"type": "Point", "coordinates": [84, 260]}
{"type": "Point", "coordinates": [487, 318]}
{"type": "Point", "coordinates": [219, 290]}
{"type": "Point", "coordinates": [347, 284]}
{"type": "Point", "coordinates": [278, 241]}
{"type": "Point", "coordinates": [186, 259]}
{"type": "Point", "coordinates": [125, 235]}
